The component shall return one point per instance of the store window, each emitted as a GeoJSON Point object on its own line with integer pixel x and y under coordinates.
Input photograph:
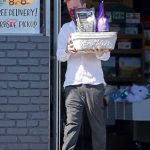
{"type": "Point", "coordinates": [21, 16]}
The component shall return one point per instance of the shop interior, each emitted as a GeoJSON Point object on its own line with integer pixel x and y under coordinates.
{"type": "Point", "coordinates": [129, 65]}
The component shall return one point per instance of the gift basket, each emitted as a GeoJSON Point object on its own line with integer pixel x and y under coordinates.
{"type": "Point", "coordinates": [88, 41]}
{"type": "Point", "coordinates": [92, 33]}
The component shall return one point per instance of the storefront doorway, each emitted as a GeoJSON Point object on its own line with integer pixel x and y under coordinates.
{"type": "Point", "coordinates": [59, 15]}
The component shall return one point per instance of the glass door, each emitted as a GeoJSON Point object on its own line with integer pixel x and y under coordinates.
{"type": "Point", "coordinates": [59, 15]}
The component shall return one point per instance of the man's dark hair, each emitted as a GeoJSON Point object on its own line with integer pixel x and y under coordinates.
{"type": "Point", "coordinates": [82, 1]}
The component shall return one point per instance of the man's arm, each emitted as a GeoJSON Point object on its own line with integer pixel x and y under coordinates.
{"type": "Point", "coordinates": [62, 45]}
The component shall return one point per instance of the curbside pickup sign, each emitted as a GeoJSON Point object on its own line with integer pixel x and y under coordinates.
{"type": "Point", "coordinates": [19, 16]}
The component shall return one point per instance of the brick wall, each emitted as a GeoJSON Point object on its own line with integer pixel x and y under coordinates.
{"type": "Point", "coordinates": [24, 92]}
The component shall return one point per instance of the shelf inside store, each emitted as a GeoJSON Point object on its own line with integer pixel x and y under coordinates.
{"type": "Point", "coordinates": [126, 52]}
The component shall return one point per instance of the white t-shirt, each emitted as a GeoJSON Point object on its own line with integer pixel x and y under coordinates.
{"type": "Point", "coordinates": [82, 68]}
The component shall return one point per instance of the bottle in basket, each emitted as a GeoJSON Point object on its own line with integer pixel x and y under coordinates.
{"type": "Point", "coordinates": [102, 21]}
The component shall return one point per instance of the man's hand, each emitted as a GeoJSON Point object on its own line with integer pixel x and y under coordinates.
{"type": "Point", "coordinates": [100, 52]}
{"type": "Point", "coordinates": [71, 48]}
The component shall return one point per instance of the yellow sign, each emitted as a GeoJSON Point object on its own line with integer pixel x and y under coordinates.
{"type": "Point", "coordinates": [20, 2]}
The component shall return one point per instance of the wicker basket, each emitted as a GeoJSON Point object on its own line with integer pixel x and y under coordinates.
{"type": "Point", "coordinates": [86, 41]}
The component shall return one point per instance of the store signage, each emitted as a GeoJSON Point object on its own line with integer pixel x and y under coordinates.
{"type": "Point", "coordinates": [19, 16]}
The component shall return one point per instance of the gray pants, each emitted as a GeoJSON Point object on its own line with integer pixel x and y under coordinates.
{"type": "Point", "coordinates": [90, 98]}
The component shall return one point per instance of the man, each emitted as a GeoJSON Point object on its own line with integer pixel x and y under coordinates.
{"type": "Point", "coordinates": [84, 85]}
